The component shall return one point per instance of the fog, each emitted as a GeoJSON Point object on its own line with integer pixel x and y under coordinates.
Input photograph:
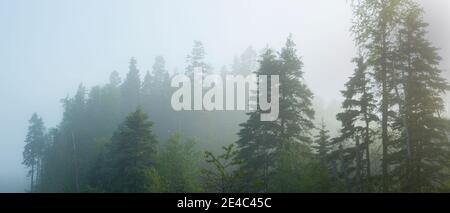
{"type": "Point", "coordinates": [48, 47]}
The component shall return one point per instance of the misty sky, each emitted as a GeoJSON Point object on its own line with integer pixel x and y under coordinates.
{"type": "Point", "coordinates": [48, 47]}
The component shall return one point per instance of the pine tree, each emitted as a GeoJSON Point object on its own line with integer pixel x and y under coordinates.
{"type": "Point", "coordinates": [67, 156]}
{"type": "Point", "coordinates": [130, 89]}
{"type": "Point", "coordinates": [34, 149]}
{"type": "Point", "coordinates": [323, 145]}
{"type": "Point", "coordinates": [296, 113]}
{"type": "Point", "coordinates": [422, 150]}
{"type": "Point", "coordinates": [161, 75]}
{"type": "Point", "coordinates": [358, 116]}
{"type": "Point", "coordinates": [245, 64]}
{"type": "Point", "coordinates": [114, 79]}
{"type": "Point", "coordinates": [259, 141]}
{"type": "Point", "coordinates": [256, 138]}
{"type": "Point", "coordinates": [375, 22]}
{"type": "Point", "coordinates": [146, 90]}
{"type": "Point", "coordinates": [110, 101]}
{"type": "Point", "coordinates": [196, 60]}
{"type": "Point", "coordinates": [133, 153]}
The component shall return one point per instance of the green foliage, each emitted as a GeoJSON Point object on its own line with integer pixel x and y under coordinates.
{"type": "Point", "coordinates": [130, 89]}
{"type": "Point", "coordinates": [153, 181]}
{"type": "Point", "coordinates": [392, 35]}
{"type": "Point", "coordinates": [222, 175]}
{"type": "Point", "coordinates": [357, 132]}
{"type": "Point", "coordinates": [34, 149]}
{"type": "Point", "coordinates": [178, 165]}
{"type": "Point", "coordinates": [260, 141]}
{"type": "Point", "coordinates": [133, 151]}
{"type": "Point", "coordinates": [421, 152]}
{"type": "Point", "coordinates": [393, 137]}
{"type": "Point", "coordinates": [298, 171]}
{"type": "Point", "coordinates": [197, 59]}
{"type": "Point", "coordinates": [323, 145]}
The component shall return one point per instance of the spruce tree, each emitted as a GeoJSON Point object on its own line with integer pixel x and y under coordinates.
{"type": "Point", "coordinates": [358, 118]}
{"type": "Point", "coordinates": [133, 151]}
{"type": "Point", "coordinates": [196, 60]}
{"type": "Point", "coordinates": [260, 141]}
{"type": "Point", "coordinates": [114, 79]}
{"type": "Point", "coordinates": [130, 89]}
{"type": "Point", "coordinates": [422, 151]}
{"type": "Point", "coordinates": [323, 145]}
{"type": "Point", "coordinates": [146, 90]}
{"type": "Point", "coordinates": [256, 138]}
{"type": "Point", "coordinates": [375, 23]}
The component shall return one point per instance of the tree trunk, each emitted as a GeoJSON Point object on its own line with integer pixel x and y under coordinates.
{"type": "Point", "coordinates": [384, 129]}
{"type": "Point", "coordinates": [384, 108]}
{"type": "Point", "coordinates": [32, 178]}
{"type": "Point", "coordinates": [344, 168]}
{"type": "Point", "coordinates": [359, 185]}
{"type": "Point", "coordinates": [367, 141]}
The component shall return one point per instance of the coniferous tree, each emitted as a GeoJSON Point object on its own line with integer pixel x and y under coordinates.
{"type": "Point", "coordinates": [130, 89]}
{"type": "Point", "coordinates": [375, 23]}
{"type": "Point", "coordinates": [259, 141]}
{"type": "Point", "coordinates": [76, 143]}
{"type": "Point", "coordinates": [357, 119]}
{"type": "Point", "coordinates": [156, 92]}
{"type": "Point", "coordinates": [114, 79]}
{"type": "Point", "coordinates": [422, 151]}
{"type": "Point", "coordinates": [323, 145]}
{"type": "Point", "coordinates": [133, 152]}
{"type": "Point", "coordinates": [33, 150]}
{"type": "Point", "coordinates": [196, 60]}
{"type": "Point", "coordinates": [146, 90]}
{"type": "Point", "coordinates": [110, 101]}
{"type": "Point", "coordinates": [256, 139]}
{"type": "Point", "coordinates": [245, 64]}
{"type": "Point", "coordinates": [296, 113]}
{"type": "Point", "coordinates": [161, 75]}
{"type": "Point", "coordinates": [192, 122]}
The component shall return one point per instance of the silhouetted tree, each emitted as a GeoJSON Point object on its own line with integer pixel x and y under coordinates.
{"type": "Point", "coordinates": [33, 150]}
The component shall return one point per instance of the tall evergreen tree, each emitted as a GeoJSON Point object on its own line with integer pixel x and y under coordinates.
{"type": "Point", "coordinates": [375, 23]}
{"type": "Point", "coordinates": [146, 89]}
{"type": "Point", "coordinates": [247, 62]}
{"type": "Point", "coordinates": [196, 60]}
{"type": "Point", "coordinates": [259, 141]}
{"type": "Point", "coordinates": [133, 151]}
{"type": "Point", "coordinates": [358, 118]}
{"type": "Point", "coordinates": [296, 112]}
{"type": "Point", "coordinates": [156, 94]}
{"type": "Point", "coordinates": [130, 89]}
{"type": "Point", "coordinates": [34, 149]}
{"type": "Point", "coordinates": [323, 145]}
{"type": "Point", "coordinates": [114, 79]}
{"type": "Point", "coordinates": [422, 150]}
{"type": "Point", "coordinates": [161, 75]}
{"type": "Point", "coordinates": [76, 143]}
{"type": "Point", "coordinates": [256, 138]}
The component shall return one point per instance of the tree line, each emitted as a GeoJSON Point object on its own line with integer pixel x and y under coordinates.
{"type": "Point", "coordinates": [124, 136]}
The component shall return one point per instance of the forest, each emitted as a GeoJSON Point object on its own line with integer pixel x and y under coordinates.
{"type": "Point", "coordinates": [124, 136]}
